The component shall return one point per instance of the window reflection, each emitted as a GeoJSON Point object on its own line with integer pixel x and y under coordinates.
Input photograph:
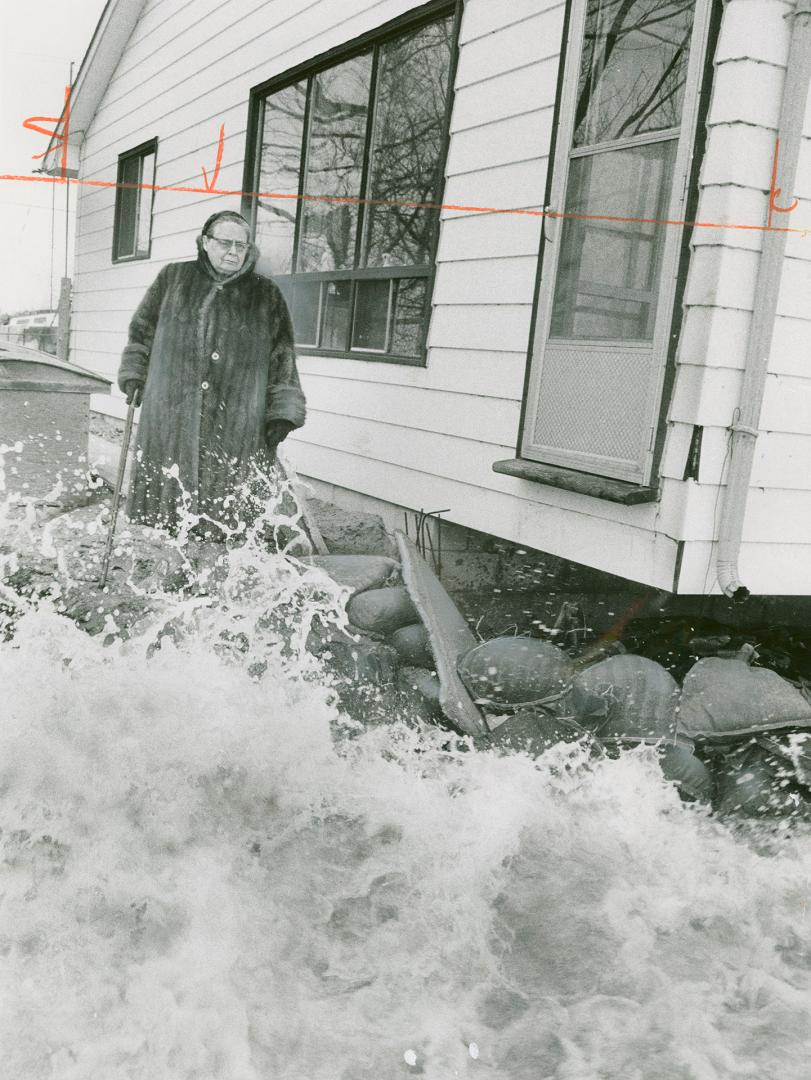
{"type": "Point", "coordinates": [633, 68]}
{"type": "Point", "coordinates": [336, 144]}
{"type": "Point", "coordinates": [608, 274]}
{"type": "Point", "coordinates": [407, 146]}
{"type": "Point", "coordinates": [280, 165]}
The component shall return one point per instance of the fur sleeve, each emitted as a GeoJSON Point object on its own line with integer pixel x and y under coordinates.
{"type": "Point", "coordinates": [135, 358]}
{"type": "Point", "coordinates": [285, 397]}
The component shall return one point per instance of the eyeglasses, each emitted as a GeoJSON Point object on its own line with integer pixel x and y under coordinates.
{"type": "Point", "coordinates": [240, 246]}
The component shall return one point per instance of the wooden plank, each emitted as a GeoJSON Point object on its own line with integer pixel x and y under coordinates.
{"type": "Point", "coordinates": [483, 17]}
{"type": "Point", "coordinates": [745, 91]}
{"type": "Point", "coordinates": [787, 406]}
{"type": "Point", "coordinates": [791, 345]}
{"type": "Point", "coordinates": [722, 277]}
{"type": "Point", "coordinates": [714, 337]}
{"type": "Point", "coordinates": [513, 46]}
{"type": "Point", "coordinates": [484, 326]}
{"type": "Point", "coordinates": [487, 235]}
{"type": "Point", "coordinates": [506, 95]}
{"type": "Point", "coordinates": [448, 633]}
{"type": "Point", "coordinates": [481, 281]}
{"type": "Point", "coordinates": [518, 184]}
{"type": "Point", "coordinates": [706, 396]}
{"type": "Point", "coordinates": [514, 139]}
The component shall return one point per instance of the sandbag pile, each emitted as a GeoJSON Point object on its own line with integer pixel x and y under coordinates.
{"type": "Point", "coordinates": [733, 735]}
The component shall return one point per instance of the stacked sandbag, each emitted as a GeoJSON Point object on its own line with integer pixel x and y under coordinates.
{"type": "Point", "coordinates": [510, 673]}
{"type": "Point", "coordinates": [357, 572]}
{"type": "Point", "coordinates": [382, 611]}
{"type": "Point", "coordinates": [727, 699]}
{"type": "Point", "coordinates": [626, 699]}
{"type": "Point", "coordinates": [533, 732]}
{"type": "Point", "coordinates": [746, 719]}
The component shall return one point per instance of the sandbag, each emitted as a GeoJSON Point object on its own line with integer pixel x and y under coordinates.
{"type": "Point", "coordinates": [756, 783]}
{"type": "Point", "coordinates": [509, 672]}
{"type": "Point", "coordinates": [626, 698]}
{"type": "Point", "coordinates": [692, 777]}
{"type": "Point", "coordinates": [726, 699]}
{"type": "Point", "coordinates": [411, 644]}
{"type": "Point", "coordinates": [531, 731]}
{"type": "Point", "coordinates": [356, 572]}
{"type": "Point", "coordinates": [382, 611]}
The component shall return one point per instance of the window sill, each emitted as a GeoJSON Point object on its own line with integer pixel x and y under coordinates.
{"type": "Point", "coordinates": [599, 487]}
{"type": "Point", "coordinates": [345, 354]}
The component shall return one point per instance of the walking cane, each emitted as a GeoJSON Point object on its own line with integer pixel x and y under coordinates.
{"type": "Point", "coordinates": [119, 483]}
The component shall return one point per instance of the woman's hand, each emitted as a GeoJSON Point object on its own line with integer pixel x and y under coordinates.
{"type": "Point", "coordinates": [134, 389]}
{"type": "Point", "coordinates": [276, 431]}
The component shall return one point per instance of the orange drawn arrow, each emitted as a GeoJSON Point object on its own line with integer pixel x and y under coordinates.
{"type": "Point", "coordinates": [31, 124]}
{"type": "Point", "coordinates": [213, 184]}
{"type": "Point", "coordinates": [774, 191]}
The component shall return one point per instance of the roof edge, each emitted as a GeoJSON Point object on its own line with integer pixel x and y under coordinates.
{"type": "Point", "coordinates": [113, 31]}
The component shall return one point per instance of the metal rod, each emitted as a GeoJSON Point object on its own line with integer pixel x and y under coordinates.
{"type": "Point", "coordinates": [119, 483]}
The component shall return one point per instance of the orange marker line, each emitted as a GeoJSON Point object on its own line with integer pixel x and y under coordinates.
{"type": "Point", "coordinates": [406, 204]}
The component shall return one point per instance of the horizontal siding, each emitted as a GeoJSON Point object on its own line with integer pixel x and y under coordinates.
{"type": "Point", "coordinates": [433, 433]}
{"type": "Point", "coordinates": [771, 568]}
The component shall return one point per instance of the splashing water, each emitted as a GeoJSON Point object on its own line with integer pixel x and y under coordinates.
{"type": "Point", "coordinates": [201, 879]}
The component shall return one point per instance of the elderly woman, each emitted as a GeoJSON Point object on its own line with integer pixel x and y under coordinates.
{"type": "Point", "coordinates": [211, 356]}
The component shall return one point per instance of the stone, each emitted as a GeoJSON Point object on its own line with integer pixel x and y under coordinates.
{"type": "Point", "coordinates": [357, 572]}
{"type": "Point", "coordinates": [350, 532]}
{"type": "Point", "coordinates": [413, 646]}
{"type": "Point", "coordinates": [382, 611]}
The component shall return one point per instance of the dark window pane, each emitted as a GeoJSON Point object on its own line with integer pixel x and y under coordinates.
{"type": "Point", "coordinates": [145, 196]}
{"type": "Point", "coordinates": [633, 68]}
{"type": "Point", "coordinates": [409, 317]}
{"type": "Point", "coordinates": [128, 206]}
{"type": "Point", "coordinates": [337, 297]}
{"type": "Point", "coordinates": [305, 312]}
{"type": "Point", "coordinates": [608, 274]}
{"type": "Point", "coordinates": [370, 329]}
{"type": "Point", "coordinates": [412, 91]}
{"type": "Point", "coordinates": [279, 169]}
{"type": "Point", "coordinates": [336, 144]}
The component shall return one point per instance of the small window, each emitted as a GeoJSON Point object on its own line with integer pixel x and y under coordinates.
{"type": "Point", "coordinates": [133, 203]}
{"type": "Point", "coordinates": [349, 170]}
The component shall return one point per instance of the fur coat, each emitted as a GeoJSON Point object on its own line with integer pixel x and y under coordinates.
{"type": "Point", "coordinates": [218, 359]}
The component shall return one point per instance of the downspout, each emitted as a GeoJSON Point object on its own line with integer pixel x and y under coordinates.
{"type": "Point", "coordinates": [744, 428]}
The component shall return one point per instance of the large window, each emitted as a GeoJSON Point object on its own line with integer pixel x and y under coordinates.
{"type": "Point", "coordinates": [134, 195]}
{"type": "Point", "coordinates": [348, 172]}
{"type": "Point", "coordinates": [627, 124]}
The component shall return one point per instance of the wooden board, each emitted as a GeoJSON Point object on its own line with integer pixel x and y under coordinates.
{"type": "Point", "coordinates": [449, 634]}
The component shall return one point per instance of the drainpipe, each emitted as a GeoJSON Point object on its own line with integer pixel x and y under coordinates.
{"type": "Point", "coordinates": [744, 428]}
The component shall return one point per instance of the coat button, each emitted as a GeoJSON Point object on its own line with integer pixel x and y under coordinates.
{"type": "Point", "coordinates": [204, 385]}
{"type": "Point", "coordinates": [215, 356]}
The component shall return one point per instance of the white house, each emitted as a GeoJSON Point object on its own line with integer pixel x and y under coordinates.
{"type": "Point", "coordinates": [623, 380]}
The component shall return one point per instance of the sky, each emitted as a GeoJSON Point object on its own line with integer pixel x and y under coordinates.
{"type": "Point", "coordinates": [38, 41]}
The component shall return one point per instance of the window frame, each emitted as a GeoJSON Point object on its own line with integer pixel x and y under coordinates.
{"type": "Point", "coordinates": [141, 151]}
{"type": "Point", "coordinates": [373, 39]}
{"type": "Point", "coordinates": [672, 277]}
